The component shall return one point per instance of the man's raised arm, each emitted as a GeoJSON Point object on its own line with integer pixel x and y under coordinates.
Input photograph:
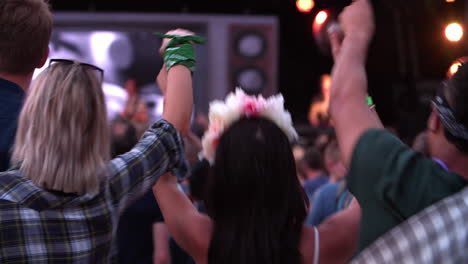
{"type": "Point", "coordinates": [348, 107]}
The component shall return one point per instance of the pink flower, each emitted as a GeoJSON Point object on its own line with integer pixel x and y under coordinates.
{"type": "Point", "coordinates": [252, 106]}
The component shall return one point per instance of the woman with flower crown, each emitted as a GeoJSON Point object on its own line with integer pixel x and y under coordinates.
{"type": "Point", "coordinates": [256, 205]}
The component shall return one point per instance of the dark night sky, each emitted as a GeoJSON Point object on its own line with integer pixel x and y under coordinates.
{"type": "Point", "coordinates": [392, 62]}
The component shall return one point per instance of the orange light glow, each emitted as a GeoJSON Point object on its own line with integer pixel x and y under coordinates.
{"type": "Point", "coordinates": [450, 1]}
{"type": "Point", "coordinates": [319, 107]}
{"type": "Point", "coordinates": [321, 17]}
{"type": "Point", "coordinates": [454, 32]}
{"type": "Point", "coordinates": [454, 68]}
{"type": "Point", "coordinates": [305, 6]}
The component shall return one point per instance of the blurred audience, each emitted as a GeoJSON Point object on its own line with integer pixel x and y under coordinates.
{"type": "Point", "coordinates": [142, 236]}
{"type": "Point", "coordinates": [135, 108]}
{"type": "Point", "coordinates": [334, 195]}
{"type": "Point", "coordinates": [313, 171]}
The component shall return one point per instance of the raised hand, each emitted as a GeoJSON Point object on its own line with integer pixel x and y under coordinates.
{"type": "Point", "coordinates": [180, 32]}
{"type": "Point", "coordinates": [358, 20]}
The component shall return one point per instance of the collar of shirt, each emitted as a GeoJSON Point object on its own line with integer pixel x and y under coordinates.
{"type": "Point", "coordinates": [11, 98]}
{"type": "Point", "coordinates": [11, 88]}
{"type": "Point", "coordinates": [441, 163]}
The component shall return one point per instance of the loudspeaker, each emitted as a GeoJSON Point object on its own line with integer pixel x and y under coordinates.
{"type": "Point", "coordinates": [252, 59]}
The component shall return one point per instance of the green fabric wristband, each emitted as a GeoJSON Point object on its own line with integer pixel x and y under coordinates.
{"type": "Point", "coordinates": [183, 55]}
{"type": "Point", "coordinates": [179, 51]}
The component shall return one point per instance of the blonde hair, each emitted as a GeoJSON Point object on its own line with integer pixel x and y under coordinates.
{"type": "Point", "coordinates": [62, 142]}
{"type": "Point", "coordinates": [25, 31]}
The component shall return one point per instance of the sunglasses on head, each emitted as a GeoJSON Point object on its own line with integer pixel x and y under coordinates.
{"type": "Point", "coordinates": [100, 72]}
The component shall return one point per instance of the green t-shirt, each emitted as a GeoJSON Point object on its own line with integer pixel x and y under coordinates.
{"type": "Point", "coordinates": [392, 182]}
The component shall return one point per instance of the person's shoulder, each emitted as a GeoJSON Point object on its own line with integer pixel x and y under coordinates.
{"type": "Point", "coordinates": [377, 134]}
{"type": "Point", "coordinates": [329, 186]}
{"type": "Point", "coordinates": [11, 175]}
{"type": "Point", "coordinates": [12, 180]}
{"type": "Point", "coordinates": [316, 182]}
{"type": "Point", "coordinates": [327, 189]}
{"type": "Point", "coordinates": [376, 147]}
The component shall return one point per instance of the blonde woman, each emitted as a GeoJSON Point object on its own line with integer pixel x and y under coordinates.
{"type": "Point", "coordinates": [61, 200]}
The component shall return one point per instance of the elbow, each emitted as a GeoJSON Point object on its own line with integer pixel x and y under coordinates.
{"type": "Point", "coordinates": [184, 130]}
{"type": "Point", "coordinates": [184, 127]}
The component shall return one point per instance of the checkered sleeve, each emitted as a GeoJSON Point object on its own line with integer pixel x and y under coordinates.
{"type": "Point", "coordinates": [436, 235]}
{"type": "Point", "coordinates": [160, 150]}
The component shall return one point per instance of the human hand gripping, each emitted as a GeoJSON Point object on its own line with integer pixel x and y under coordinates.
{"type": "Point", "coordinates": [162, 76]}
{"type": "Point", "coordinates": [179, 32]}
{"type": "Point", "coordinates": [357, 24]}
{"type": "Point", "coordinates": [358, 20]}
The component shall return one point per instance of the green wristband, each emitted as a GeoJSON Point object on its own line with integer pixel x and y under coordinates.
{"type": "Point", "coordinates": [183, 55]}
{"type": "Point", "coordinates": [369, 100]}
{"type": "Point", "coordinates": [179, 51]}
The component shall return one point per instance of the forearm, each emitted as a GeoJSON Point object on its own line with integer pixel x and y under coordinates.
{"type": "Point", "coordinates": [339, 233]}
{"type": "Point", "coordinates": [348, 106]}
{"type": "Point", "coordinates": [183, 221]}
{"type": "Point", "coordinates": [132, 174]}
{"type": "Point", "coordinates": [178, 100]}
{"type": "Point", "coordinates": [161, 252]}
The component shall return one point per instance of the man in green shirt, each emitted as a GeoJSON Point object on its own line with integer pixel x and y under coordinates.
{"type": "Point", "coordinates": [391, 181]}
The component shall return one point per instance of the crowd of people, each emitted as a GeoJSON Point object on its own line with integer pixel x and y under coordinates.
{"type": "Point", "coordinates": [78, 188]}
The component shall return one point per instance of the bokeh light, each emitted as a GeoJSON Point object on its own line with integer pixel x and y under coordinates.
{"type": "Point", "coordinates": [454, 32]}
{"type": "Point", "coordinates": [321, 17]}
{"type": "Point", "coordinates": [305, 6]}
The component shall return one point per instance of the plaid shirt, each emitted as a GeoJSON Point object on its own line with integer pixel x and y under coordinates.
{"type": "Point", "coordinates": [41, 226]}
{"type": "Point", "coordinates": [439, 234]}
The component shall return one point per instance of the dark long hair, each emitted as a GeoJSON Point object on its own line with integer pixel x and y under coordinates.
{"type": "Point", "coordinates": [254, 197]}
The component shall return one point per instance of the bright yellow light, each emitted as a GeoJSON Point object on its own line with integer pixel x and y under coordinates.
{"type": "Point", "coordinates": [305, 6]}
{"type": "Point", "coordinates": [450, 1]}
{"type": "Point", "coordinates": [321, 17]}
{"type": "Point", "coordinates": [454, 68]}
{"type": "Point", "coordinates": [454, 32]}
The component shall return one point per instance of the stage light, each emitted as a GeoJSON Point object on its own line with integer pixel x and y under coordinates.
{"type": "Point", "coordinates": [321, 17]}
{"type": "Point", "coordinates": [305, 6]}
{"type": "Point", "coordinates": [450, 1]}
{"type": "Point", "coordinates": [455, 66]}
{"type": "Point", "coordinates": [454, 32]}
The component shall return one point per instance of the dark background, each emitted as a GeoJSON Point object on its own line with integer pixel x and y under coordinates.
{"type": "Point", "coordinates": [408, 51]}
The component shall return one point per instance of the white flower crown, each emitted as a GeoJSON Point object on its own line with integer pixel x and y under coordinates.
{"type": "Point", "coordinates": [239, 105]}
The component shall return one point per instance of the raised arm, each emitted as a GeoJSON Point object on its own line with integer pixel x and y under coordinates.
{"type": "Point", "coordinates": [189, 228]}
{"type": "Point", "coordinates": [176, 85]}
{"type": "Point", "coordinates": [160, 150]}
{"type": "Point", "coordinates": [348, 107]}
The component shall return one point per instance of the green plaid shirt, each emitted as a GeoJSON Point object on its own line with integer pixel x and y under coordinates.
{"type": "Point", "coordinates": [41, 226]}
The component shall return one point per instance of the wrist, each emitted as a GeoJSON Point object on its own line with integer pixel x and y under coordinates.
{"type": "Point", "coordinates": [359, 37]}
